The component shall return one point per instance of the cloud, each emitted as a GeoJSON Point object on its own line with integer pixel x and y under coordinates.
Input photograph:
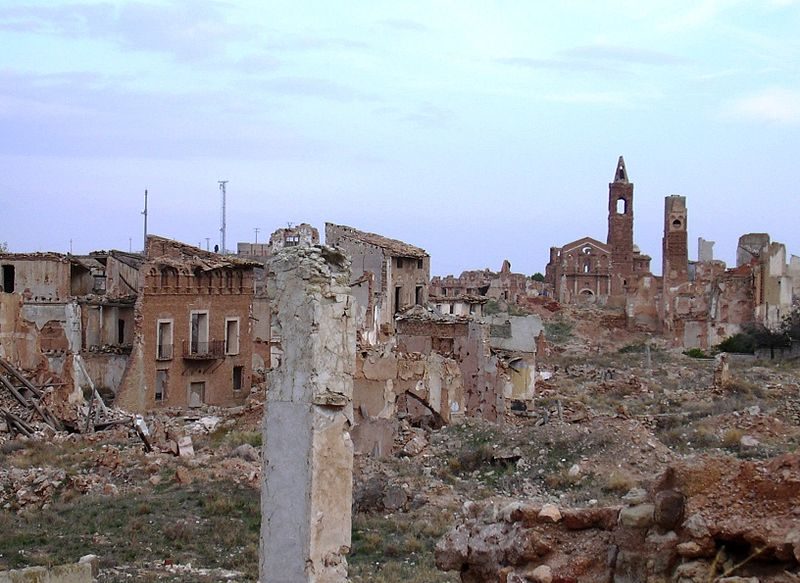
{"type": "Point", "coordinates": [623, 55]}
{"type": "Point", "coordinates": [597, 58]}
{"type": "Point", "coordinates": [773, 105]}
{"type": "Point", "coordinates": [315, 43]}
{"type": "Point", "coordinates": [75, 115]}
{"type": "Point", "coordinates": [185, 30]}
{"type": "Point", "coordinates": [429, 116]}
{"type": "Point", "coordinates": [314, 87]}
{"type": "Point", "coordinates": [616, 99]}
{"type": "Point", "coordinates": [554, 64]}
{"type": "Point", "coordinates": [698, 15]}
{"type": "Point", "coordinates": [404, 24]}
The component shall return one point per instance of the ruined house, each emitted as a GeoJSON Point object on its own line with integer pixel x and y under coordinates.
{"type": "Point", "coordinates": [468, 292]}
{"type": "Point", "coordinates": [291, 236]}
{"type": "Point", "coordinates": [589, 271]}
{"type": "Point", "coordinates": [267, 349]}
{"type": "Point", "coordinates": [496, 356]}
{"type": "Point", "coordinates": [69, 317]}
{"type": "Point", "coordinates": [703, 301]}
{"type": "Point", "coordinates": [389, 276]}
{"type": "Point", "coordinates": [193, 335]}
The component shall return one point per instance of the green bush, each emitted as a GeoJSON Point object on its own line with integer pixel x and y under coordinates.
{"type": "Point", "coordinates": [696, 353]}
{"type": "Point", "coordinates": [740, 343]}
{"type": "Point", "coordinates": [558, 330]}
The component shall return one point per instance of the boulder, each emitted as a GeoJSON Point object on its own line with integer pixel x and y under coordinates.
{"type": "Point", "coordinates": [669, 506]}
{"type": "Point", "coordinates": [549, 513]}
{"type": "Point", "coordinates": [639, 516]}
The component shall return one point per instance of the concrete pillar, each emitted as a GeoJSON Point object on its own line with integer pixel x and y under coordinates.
{"type": "Point", "coordinates": [306, 493]}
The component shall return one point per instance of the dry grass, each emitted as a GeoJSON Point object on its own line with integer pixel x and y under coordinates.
{"type": "Point", "coordinates": [619, 482]}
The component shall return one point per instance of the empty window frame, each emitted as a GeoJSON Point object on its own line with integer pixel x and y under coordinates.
{"type": "Point", "coordinates": [418, 295]}
{"type": "Point", "coordinates": [197, 393]}
{"type": "Point", "coordinates": [8, 278]}
{"type": "Point", "coordinates": [120, 331]}
{"type": "Point", "coordinates": [238, 378]}
{"type": "Point", "coordinates": [231, 336]}
{"type": "Point", "coordinates": [419, 263]}
{"type": "Point", "coordinates": [163, 340]}
{"type": "Point", "coordinates": [399, 263]}
{"type": "Point", "coordinates": [398, 292]}
{"type": "Point", "coordinates": [198, 332]}
{"type": "Point", "coordinates": [161, 385]}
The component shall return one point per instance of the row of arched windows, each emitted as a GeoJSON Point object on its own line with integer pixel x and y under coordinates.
{"type": "Point", "coordinates": [168, 278]}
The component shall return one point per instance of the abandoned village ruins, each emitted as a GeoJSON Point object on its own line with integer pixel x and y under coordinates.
{"type": "Point", "coordinates": [345, 340]}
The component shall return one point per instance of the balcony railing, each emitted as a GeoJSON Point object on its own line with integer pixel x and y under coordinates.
{"type": "Point", "coordinates": [203, 350]}
{"type": "Point", "coordinates": [164, 352]}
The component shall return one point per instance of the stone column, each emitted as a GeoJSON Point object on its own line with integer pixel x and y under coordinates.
{"type": "Point", "coordinates": [306, 493]}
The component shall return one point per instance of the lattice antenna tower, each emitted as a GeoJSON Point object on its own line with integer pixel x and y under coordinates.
{"type": "Point", "coordinates": [222, 227]}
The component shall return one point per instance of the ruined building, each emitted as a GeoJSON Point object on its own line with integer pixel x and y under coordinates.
{"type": "Point", "coordinates": [589, 271]}
{"type": "Point", "coordinates": [468, 293]}
{"type": "Point", "coordinates": [193, 342]}
{"type": "Point", "coordinates": [291, 236]}
{"type": "Point", "coordinates": [389, 276]}
{"type": "Point", "coordinates": [267, 349]}
{"type": "Point", "coordinates": [69, 317]}
{"type": "Point", "coordinates": [703, 302]}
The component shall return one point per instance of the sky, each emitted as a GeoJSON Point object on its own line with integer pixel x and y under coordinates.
{"type": "Point", "coordinates": [480, 131]}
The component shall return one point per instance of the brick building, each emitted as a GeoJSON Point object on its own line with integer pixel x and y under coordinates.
{"type": "Point", "coordinates": [193, 342]}
{"type": "Point", "coordinates": [589, 271]}
{"type": "Point", "coordinates": [388, 276]}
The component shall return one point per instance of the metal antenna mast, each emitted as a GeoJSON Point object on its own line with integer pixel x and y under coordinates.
{"type": "Point", "coordinates": [222, 228]}
{"type": "Point", "coordinates": [144, 212]}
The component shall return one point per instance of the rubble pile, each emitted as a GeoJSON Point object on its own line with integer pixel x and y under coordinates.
{"type": "Point", "coordinates": [709, 519]}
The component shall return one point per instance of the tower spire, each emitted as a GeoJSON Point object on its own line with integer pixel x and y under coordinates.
{"type": "Point", "coordinates": [621, 175]}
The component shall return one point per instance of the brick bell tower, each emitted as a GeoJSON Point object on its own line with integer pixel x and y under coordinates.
{"type": "Point", "coordinates": [620, 229]}
{"type": "Point", "coordinates": [675, 252]}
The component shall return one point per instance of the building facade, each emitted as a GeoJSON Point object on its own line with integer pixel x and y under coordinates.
{"type": "Point", "coordinates": [388, 277]}
{"type": "Point", "coordinates": [193, 340]}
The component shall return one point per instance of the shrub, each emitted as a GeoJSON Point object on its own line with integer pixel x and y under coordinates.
{"type": "Point", "coordinates": [696, 353]}
{"type": "Point", "coordinates": [558, 330]}
{"type": "Point", "coordinates": [739, 343]}
{"type": "Point", "coordinates": [620, 482]}
{"type": "Point", "coordinates": [731, 438]}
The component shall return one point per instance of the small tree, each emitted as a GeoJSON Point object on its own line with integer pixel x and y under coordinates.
{"type": "Point", "coordinates": [791, 324]}
{"type": "Point", "coordinates": [537, 277]}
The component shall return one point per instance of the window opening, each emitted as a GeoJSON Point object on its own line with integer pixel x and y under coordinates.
{"type": "Point", "coordinates": [199, 343]}
{"type": "Point", "coordinates": [418, 295]}
{"type": "Point", "coordinates": [397, 299]}
{"type": "Point", "coordinates": [622, 206]}
{"type": "Point", "coordinates": [237, 377]}
{"type": "Point", "coordinates": [161, 385]}
{"type": "Point", "coordinates": [232, 336]}
{"type": "Point", "coordinates": [197, 393]}
{"type": "Point", "coordinates": [164, 341]}
{"type": "Point", "coordinates": [8, 278]}
{"type": "Point", "coordinates": [120, 331]}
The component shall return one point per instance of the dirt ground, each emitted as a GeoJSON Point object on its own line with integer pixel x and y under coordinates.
{"type": "Point", "coordinates": [609, 416]}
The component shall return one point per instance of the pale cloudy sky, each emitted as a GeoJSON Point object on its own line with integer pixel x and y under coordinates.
{"type": "Point", "coordinates": [477, 130]}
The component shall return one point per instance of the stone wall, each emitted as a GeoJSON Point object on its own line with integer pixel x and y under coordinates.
{"type": "Point", "coordinates": [306, 492]}
{"type": "Point", "coordinates": [424, 388]}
